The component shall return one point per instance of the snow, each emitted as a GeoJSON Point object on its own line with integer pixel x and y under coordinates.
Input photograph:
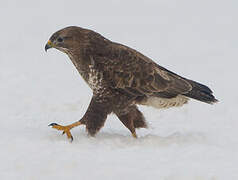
{"type": "Point", "coordinates": [196, 39]}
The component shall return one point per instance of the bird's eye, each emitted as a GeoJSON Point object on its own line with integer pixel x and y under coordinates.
{"type": "Point", "coordinates": [60, 39]}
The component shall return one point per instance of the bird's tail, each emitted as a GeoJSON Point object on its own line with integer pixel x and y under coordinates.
{"type": "Point", "coordinates": [201, 92]}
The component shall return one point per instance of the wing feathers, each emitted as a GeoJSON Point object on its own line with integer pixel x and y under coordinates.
{"type": "Point", "coordinates": [129, 71]}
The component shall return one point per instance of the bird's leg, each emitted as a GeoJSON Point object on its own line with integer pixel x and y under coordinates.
{"type": "Point", "coordinates": [138, 118]}
{"type": "Point", "coordinates": [127, 120]}
{"type": "Point", "coordinates": [96, 114]}
{"type": "Point", "coordinates": [132, 118]}
{"type": "Point", "coordinates": [66, 129]}
{"type": "Point", "coordinates": [94, 118]}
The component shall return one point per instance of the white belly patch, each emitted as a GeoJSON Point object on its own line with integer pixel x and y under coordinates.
{"type": "Point", "coordinates": [160, 103]}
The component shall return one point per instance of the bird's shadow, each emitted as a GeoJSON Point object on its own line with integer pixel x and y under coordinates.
{"type": "Point", "coordinates": [112, 140]}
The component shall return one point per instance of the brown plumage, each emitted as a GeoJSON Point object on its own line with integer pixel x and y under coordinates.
{"type": "Point", "coordinates": [120, 78]}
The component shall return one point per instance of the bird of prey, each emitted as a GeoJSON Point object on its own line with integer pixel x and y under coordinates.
{"type": "Point", "coordinates": [121, 78]}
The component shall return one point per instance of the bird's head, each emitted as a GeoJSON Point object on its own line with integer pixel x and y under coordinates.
{"type": "Point", "coordinates": [67, 39]}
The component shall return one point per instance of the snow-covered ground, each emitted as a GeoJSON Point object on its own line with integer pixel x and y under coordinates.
{"type": "Point", "coordinates": [196, 39]}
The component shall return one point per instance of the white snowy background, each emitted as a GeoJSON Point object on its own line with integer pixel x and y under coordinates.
{"type": "Point", "coordinates": [196, 39]}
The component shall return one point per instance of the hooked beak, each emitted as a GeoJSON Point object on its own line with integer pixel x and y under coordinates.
{"type": "Point", "coordinates": [48, 45]}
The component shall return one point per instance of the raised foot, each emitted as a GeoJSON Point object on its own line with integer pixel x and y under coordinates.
{"type": "Point", "coordinates": [65, 129]}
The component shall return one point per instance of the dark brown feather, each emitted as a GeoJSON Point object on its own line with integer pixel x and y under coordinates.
{"type": "Point", "coordinates": [134, 73]}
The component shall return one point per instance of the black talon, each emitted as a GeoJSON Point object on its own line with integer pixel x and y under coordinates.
{"type": "Point", "coordinates": [71, 139]}
{"type": "Point", "coordinates": [53, 124]}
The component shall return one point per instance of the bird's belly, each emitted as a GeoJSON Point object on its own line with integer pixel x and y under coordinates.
{"type": "Point", "coordinates": [160, 103]}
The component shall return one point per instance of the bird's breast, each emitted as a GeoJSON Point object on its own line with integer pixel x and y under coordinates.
{"type": "Point", "coordinates": [95, 80]}
{"type": "Point", "coordinates": [89, 72]}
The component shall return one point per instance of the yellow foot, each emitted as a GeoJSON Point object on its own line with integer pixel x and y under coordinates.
{"type": "Point", "coordinates": [65, 129]}
{"type": "Point", "coordinates": [134, 135]}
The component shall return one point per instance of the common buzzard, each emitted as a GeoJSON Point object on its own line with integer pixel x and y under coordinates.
{"type": "Point", "coordinates": [121, 78]}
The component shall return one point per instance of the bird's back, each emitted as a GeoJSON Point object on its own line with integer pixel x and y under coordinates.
{"type": "Point", "coordinates": [137, 74]}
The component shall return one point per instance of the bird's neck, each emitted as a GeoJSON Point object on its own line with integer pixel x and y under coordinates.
{"type": "Point", "coordinates": [81, 65]}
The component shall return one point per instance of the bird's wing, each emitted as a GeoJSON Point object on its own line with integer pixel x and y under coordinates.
{"type": "Point", "coordinates": [130, 71]}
